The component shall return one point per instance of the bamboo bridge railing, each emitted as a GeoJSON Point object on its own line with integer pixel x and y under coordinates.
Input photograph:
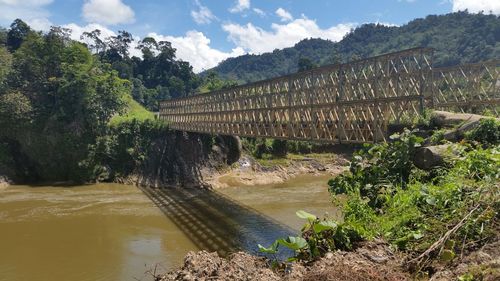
{"type": "Point", "coordinates": [344, 103]}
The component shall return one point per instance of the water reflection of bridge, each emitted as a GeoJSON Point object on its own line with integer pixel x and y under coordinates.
{"type": "Point", "coordinates": [215, 222]}
{"type": "Point", "coordinates": [349, 103]}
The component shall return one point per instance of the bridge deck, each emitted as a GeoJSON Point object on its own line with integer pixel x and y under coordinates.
{"type": "Point", "coordinates": [348, 103]}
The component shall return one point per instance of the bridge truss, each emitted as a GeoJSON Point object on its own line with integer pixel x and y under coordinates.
{"type": "Point", "coordinates": [347, 103]}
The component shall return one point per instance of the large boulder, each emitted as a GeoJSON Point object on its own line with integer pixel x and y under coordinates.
{"type": "Point", "coordinates": [429, 157]}
{"type": "Point", "coordinates": [449, 119]}
{"type": "Point", "coordinates": [457, 123]}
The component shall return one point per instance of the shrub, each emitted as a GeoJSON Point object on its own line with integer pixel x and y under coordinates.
{"type": "Point", "coordinates": [384, 195]}
{"type": "Point", "coordinates": [299, 147]}
{"type": "Point", "coordinates": [318, 236]}
{"type": "Point", "coordinates": [124, 147]}
{"type": "Point", "coordinates": [377, 169]}
{"type": "Point", "coordinates": [437, 137]}
{"type": "Point", "coordinates": [279, 147]}
{"type": "Point", "coordinates": [487, 132]}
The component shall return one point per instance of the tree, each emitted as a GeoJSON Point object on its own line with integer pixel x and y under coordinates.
{"type": "Point", "coordinates": [15, 113]}
{"type": "Point", "coordinates": [5, 67]}
{"type": "Point", "coordinates": [96, 44]}
{"type": "Point", "coordinates": [3, 36]}
{"type": "Point", "coordinates": [120, 44]}
{"type": "Point", "coordinates": [305, 64]}
{"type": "Point", "coordinates": [71, 97]}
{"type": "Point", "coordinates": [18, 32]}
{"type": "Point", "coordinates": [213, 82]}
{"type": "Point", "coordinates": [148, 47]}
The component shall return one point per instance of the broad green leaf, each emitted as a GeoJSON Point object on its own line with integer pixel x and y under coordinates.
{"type": "Point", "coordinates": [447, 255]}
{"type": "Point", "coordinates": [305, 215]}
{"type": "Point", "coordinates": [417, 235]}
{"type": "Point", "coordinates": [294, 243]}
{"type": "Point", "coordinates": [273, 249]}
{"type": "Point", "coordinates": [449, 244]}
{"type": "Point", "coordinates": [324, 225]}
{"type": "Point", "coordinates": [431, 200]}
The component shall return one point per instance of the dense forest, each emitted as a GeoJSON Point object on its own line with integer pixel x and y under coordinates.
{"type": "Point", "coordinates": [59, 100]}
{"type": "Point", "coordinates": [456, 37]}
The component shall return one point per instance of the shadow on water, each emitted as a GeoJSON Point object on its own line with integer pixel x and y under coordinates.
{"type": "Point", "coordinates": [214, 222]}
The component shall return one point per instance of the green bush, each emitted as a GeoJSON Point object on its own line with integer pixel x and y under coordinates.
{"type": "Point", "coordinates": [299, 147]}
{"type": "Point", "coordinates": [318, 236]}
{"type": "Point", "coordinates": [487, 132]}
{"type": "Point", "coordinates": [379, 168]}
{"type": "Point", "coordinates": [384, 195]}
{"type": "Point", "coordinates": [124, 148]}
{"type": "Point", "coordinates": [279, 148]}
{"type": "Point", "coordinates": [438, 137]}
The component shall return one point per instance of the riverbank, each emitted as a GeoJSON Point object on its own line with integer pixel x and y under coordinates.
{"type": "Point", "coordinates": [373, 260]}
{"type": "Point", "coordinates": [248, 171]}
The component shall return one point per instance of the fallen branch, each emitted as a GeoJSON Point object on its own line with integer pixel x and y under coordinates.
{"type": "Point", "coordinates": [440, 242]}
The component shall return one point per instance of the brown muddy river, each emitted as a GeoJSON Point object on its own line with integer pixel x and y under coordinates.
{"type": "Point", "coordinates": [115, 232]}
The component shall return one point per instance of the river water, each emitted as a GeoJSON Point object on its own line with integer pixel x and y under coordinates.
{"type": "Point", "coordinates": [115, 232]}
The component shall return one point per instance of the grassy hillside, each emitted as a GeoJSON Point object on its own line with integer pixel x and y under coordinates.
{"type": "Point", "coordinates": [457, 37]}
{"type": "Point", "coordinates": [133, 110]}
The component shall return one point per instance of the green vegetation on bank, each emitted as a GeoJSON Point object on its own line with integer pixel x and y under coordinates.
{"type": "Point", "coordinates": [132, 111]}
{"type": "Point", "coordinates": [67, 114]}
{"type": "Point", "coordinates": [124, 148]}
{"type": "Point", "coordinates": [432, 215]}
{"type": "Point", "coordinates": [457, 37]}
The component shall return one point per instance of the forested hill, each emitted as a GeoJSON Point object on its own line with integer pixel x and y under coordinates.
{"type": "Point", "coordinates": [457, 37]}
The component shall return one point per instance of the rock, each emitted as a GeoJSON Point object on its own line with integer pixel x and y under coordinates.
{"type": "Point", "coordinates": [449, 119]}
{"type": "Point", "coordinates": [431, 156]}
{"type": "Point", "coordinates": [4, 182]}
{"type": "Point", "coordinates": [465, 123]}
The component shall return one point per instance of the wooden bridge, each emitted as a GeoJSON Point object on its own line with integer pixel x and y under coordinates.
{"type": "Point", "coordinates": [346, 103]}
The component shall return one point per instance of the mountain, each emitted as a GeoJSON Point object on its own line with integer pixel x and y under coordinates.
{"type": "Point", "coordinates": [456, 37]}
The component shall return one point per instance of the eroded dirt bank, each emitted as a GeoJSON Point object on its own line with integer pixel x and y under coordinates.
{"type": "Point", "coordinates": [371, 261]}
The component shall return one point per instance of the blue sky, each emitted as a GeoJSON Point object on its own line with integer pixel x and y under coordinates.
{"type": "Point", "coordinates": [207, 31]}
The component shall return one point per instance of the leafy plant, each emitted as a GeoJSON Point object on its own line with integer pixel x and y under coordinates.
{"type": "Point", "coordinates": [438, 137]}
{"type": "Point", "coordinates": [377, 169]}
{"type": "Point", "coordinates": [318, 236]}
{"type": "Point", "coordinates": [487, 132]}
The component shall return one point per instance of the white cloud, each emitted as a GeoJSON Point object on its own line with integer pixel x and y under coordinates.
{"type": "Point", "coordinates": [259, 12]}
{"type": "Point", "coordinates": [42, 24]}
{"type": "Point", "coordinates": [107, 12]}
{"type": "Point", "coordinates": [203, 15]}
{"type": "Point", "coordinates": [240, 6]}
{"type": "Point", "coordinates": [195, 48]}
{"type": "Point", "coordinates": [29, 3]}
{"type": "Point", "coordinates": [284, 15]}
{"type": "Point", "coordinates": [476, 6]}
{"type": "Point", "coordinates": [31, 11]}
{"type": "Point", "coordinates": [257, 40]}
{"type": "Point", "coordinates": [388, 24]}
